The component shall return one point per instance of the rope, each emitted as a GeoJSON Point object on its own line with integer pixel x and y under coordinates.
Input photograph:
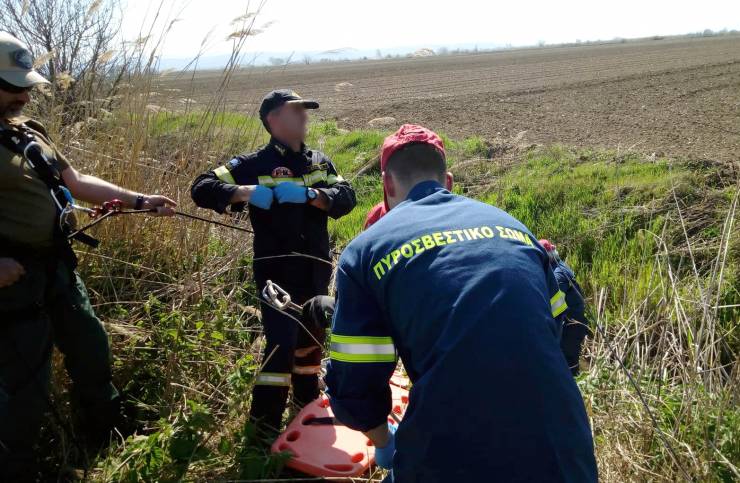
{"type": "Point", "coordinates": [213, 222]}
{"type": "Point", "coordinates": [103, 217]}
{"type": "Point", "coordinates": [108, 211]}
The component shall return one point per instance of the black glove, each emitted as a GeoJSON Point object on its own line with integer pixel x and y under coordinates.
{"type": "Point", "coordinates": [318, 312]}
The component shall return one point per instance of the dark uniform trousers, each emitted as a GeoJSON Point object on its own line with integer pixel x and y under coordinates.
{"type": "Point", "coordinates": [47, 307]}
{"type": "Point", "coordinates": [291, 357]}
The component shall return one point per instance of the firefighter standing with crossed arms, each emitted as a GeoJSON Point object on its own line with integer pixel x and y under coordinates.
{"type": "Point", "coordinates": [291, 191]}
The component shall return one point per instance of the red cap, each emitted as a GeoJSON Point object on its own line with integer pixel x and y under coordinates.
{"type": "Point", "coordinates": [549, 247]}
{"type": "Point", "coordinates": [375, 213]}
{"type": "Point", "coordinates": [406, 134]}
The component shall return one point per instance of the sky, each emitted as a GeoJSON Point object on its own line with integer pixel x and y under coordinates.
{"type": "Point", "coordinates": [323, 25]}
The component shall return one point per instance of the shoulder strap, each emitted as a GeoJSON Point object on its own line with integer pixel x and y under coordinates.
{"type": "Point", "coordinates": [38, 127]}
{"type": "Point", "coordinates": [23, 142]}
{"type": "Point", "coordinates": [12, 140]}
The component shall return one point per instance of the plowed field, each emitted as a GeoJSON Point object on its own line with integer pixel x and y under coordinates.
{"type": "Point", "coordinates": [679, 97]}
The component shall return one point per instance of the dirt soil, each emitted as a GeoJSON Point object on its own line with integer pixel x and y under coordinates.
{"type": "Point", "coordinates": [675, 97]}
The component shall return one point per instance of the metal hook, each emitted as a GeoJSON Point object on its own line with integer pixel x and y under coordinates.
{"type": "Point", "coordinates": [277, 296]}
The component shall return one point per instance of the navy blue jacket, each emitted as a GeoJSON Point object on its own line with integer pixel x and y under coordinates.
{"type": "Point", "coordinates": [569, 286]}
{"type": "Point", "coordinates": [464, 294]}
{"type": "Point", "coordinates": [284, 229]}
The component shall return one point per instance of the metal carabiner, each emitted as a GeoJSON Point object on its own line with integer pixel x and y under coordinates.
{"type": "Point", "coordinates": [279, 299]}
{"type": "Point", "coordinates": [277, 296]}
{"type": "Point", "coordinates": [108, 208]}
{"type": "Point", "coordinates": [71, 204]}
{"type": "Point", "coordinates": [56, 200]}
{"type": "Point", "coordinates": [114, 206]}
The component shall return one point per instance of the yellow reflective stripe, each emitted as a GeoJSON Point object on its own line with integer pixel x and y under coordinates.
{"type": "Point", "coordinates": [334, 179]}
{"type": "Point", "coordinates": [273, 379]}
{"type": "Point", "coordinates": [361, 339]}
{"type": "Point", "coordinates": [271, 182]}
{"type": "Point", "coordinates": [315, 177]}
{"type": "Point", "coordinates": [557, 303]}
{"type": "Point", "coordinates": [362, 349]}
{"type": "Point", "coordinates": [223, 173]}
{"type": "Point", "coordinates": [307, 180]}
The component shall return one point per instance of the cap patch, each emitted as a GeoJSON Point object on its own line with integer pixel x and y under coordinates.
{"type": "Point", "coordinates": [23, 59]}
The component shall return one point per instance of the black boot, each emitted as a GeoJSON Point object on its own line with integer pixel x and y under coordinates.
{"type": "Point", "coordinates": [103, 422]}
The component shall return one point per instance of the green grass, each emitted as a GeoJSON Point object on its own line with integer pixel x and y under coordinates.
{"type": "Point", "coordinates": [598, 212]}
{"type": "Point", "coordinates": [164, 123]}
{"type": "Point", "coordinates": [186, 343]}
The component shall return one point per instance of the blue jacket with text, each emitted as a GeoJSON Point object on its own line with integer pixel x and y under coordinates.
{"type": "Point", "coordinates": [463, 293]}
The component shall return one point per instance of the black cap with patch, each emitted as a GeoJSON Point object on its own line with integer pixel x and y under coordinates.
{"type": "Point", "coordinates": [277, 98]}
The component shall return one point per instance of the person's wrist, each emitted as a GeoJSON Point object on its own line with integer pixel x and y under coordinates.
{"type": "Point", "coordinates": [141, 200]}
{"type": "Point", "coordinates": [311, 196]}
{"type": "Point", "coordinates": [244, 193]}
{"type": "Point", "coordinates": [241, 194]}
{"type": "Point", "coordinates": [384, 453]}
{"type": "Point", "coordinates": [384, 444]}
{"type": "Point", "coordinates": [385, 439]}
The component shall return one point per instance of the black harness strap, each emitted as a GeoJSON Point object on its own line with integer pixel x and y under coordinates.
{"type": "Point", "coordinates": [23, 142]}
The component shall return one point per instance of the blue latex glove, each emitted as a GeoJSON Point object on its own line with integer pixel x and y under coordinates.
{"type": "Point", "coordinates": [261, 197]}
{"type": "Point", "coordinates": [384, 455]}
{"type": "Point", "coordinates": [287, 192]}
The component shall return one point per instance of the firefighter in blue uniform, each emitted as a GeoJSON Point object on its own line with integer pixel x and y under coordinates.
{"type": "Point", "coordinates": [575, 326]}
{"type": "Point", "coordinates": [291, 191]}
{"type": "Point", "coordinates": [463, 293]}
